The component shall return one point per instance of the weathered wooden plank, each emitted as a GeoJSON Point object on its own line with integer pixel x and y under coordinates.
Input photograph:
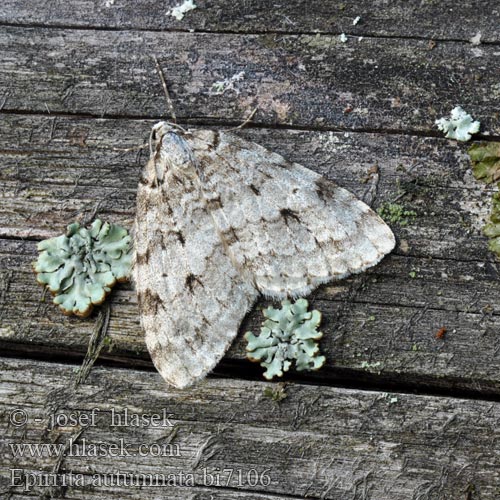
{"type": "Point", "coordinates": [307, 81]}
{"type": "Point", "coordinates": [54, 169]}
{"type": "Point", "coordinates": [445, 19]}
{"type": "Point", "coordinates": [316, 443]}
{"type": "Point", "coordinates": [380, 326]}
{"type": "Point", "coordinates": [174, 493]}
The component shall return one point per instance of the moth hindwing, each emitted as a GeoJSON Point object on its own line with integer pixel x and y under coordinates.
{"type": "Point", "coordinates": [221, 220]}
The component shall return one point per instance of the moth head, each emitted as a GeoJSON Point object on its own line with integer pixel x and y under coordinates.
{"type": "Point", "coordinates": [169, 150]}
{"type": "Point", "coordinates": [159, 130]}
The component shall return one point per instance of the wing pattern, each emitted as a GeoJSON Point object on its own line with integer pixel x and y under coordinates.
{"type": "Point", "coordinates": [191, 298]}
{"type": "Point", "coordinates": [220, 220]}
{"type": "Point", "coordinates": [287, 228]}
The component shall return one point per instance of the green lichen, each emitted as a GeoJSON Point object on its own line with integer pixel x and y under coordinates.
{"type": "Point", "coordinates": [391, 399]}
{"type": "Point", "coordinates": [288, 334]}
{"type": "Point", "coordinates": [370, 366]}
{"type": "Point", "coordinates": [492, 229]}
{"type": "Point", "coordinates": [460, 126]}
{"type": "Point", "coordinates": [394, 213]}
{"type": "Point", "coordinates": [485, 158]}
{"type": "Point", "coordinates": [80, 267]}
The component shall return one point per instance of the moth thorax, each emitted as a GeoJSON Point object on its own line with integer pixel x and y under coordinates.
{"type": "Point", "coordinates": [176, 151]}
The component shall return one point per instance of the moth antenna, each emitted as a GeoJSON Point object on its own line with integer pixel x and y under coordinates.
{"type": "Point", "coordinates": [247, 120]}
{"type": "Point", "coordinates": [165, 89]}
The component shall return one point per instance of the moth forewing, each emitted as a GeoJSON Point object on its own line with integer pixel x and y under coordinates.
{"type": "Point", "coordinates": [220, 220]}
{"type": "Point", "coordinates": [180, 261]}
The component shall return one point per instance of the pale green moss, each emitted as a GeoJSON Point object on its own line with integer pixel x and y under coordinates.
{"type": "Point", "coordinates": [370, 366]}
{"type": "Point", "coordinates": [394, 213]}
{"type": "Point", "coordinates": [80, 267]}
{"type": "Point", "coordinates": [276, 393]}
{"type": "Point", "coordinates": [288, 334]}
{"type": "Point", "coordinates": [492, 229]}
{"type": "Point", "coordinates": [485, 158]}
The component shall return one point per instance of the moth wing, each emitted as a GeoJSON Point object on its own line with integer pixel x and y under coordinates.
{"type": "Point", "coordinates": [287, 228]}
{"type": "Point", "coordinates": [191, 298]}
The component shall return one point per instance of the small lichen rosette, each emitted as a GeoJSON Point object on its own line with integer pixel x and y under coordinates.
{"type": "Point", "coordinates": [460, 126]}
{"type": "Point", "coordinates": [80, 267]}
{"type": "Point", "coordinates": [288, 334]}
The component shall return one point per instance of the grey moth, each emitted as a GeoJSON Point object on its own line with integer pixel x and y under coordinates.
{"type": "Point", "coordinates": [221, 220]}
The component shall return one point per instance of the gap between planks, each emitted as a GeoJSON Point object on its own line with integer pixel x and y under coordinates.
{"type": "Point", "coordinates": [207, 122]}
{"type": "Point", "coordinates": [238, 371]}
{"type": "Point", "coordinates": [275, 32]}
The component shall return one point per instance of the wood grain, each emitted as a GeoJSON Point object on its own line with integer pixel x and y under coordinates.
{"type": "Point", "coordinates": [55, 169]}
{"type": "Point", "coordinates": [79, 93]}
{"type": "Point", "coordinates": [445, 19]}
{"type": "Point", "coordinates": [328, 444]}
{"type": "Point", "coordinates": [304, 81]}
{"type": "Point", "coordinates": [380, 325]}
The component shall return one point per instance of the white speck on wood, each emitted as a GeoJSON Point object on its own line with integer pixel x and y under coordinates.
{"type": "Point", "coordinates": [222, 86]}
{"type": "Point", "coordinates": [476, 39]}
{"type": "Point", "coordinates": [180, 10]}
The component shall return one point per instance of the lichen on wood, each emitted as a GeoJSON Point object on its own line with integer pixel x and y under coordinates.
{"type": "Point", "coordinates": [81, 266]}
{"type": "Point", "coordinates": [289, 334]}
{"type": "Point", "coordinates": [492, 229]}
{"type": "Point", "coordinates": [460, 126]}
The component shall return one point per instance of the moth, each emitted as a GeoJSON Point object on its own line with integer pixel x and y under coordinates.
{"type": "Point", "coordinates": [221, 220]}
